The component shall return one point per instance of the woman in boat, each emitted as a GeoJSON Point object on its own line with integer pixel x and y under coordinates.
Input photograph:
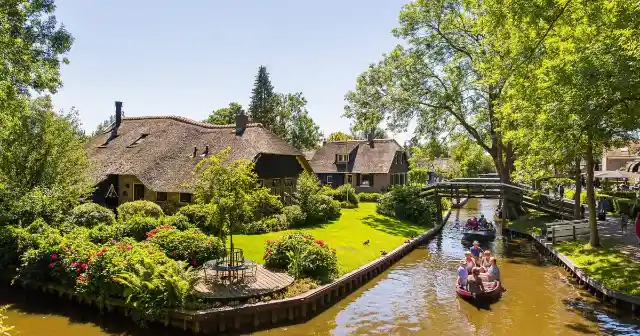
{"type": "Point", "coordinates": [493, 273]}
{"type": "Point", "coordinates": [474, 282]}
{"type": "Point", "coordinates": [485, 262]}
{"type": "Point", "coordinates": [474, 223]}
{"type": "Point", "coordinates": [469, 262]}
{"type": "Point", "coordinates": [463, 274]}
{"type": "Point", "coordinates": [475, 250]}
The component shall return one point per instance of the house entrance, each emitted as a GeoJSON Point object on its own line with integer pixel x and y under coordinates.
{"type": "Point", "coordinates": [138, 192]}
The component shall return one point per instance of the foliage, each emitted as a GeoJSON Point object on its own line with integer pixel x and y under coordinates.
{"type": "Point", "coordinates": [104, 125]}
{"type": "Point", "coordinates": [137, 227]}
{"type": "Point", "coordinates": [43, 164]}
{"type": "Point", "coordinates": [470, 159]}
{"type": "Point", "coordinates": [405, 202]}
{"type": "Point", "coordinates": [264, 203]}
{"type": "Point", "coordinates": [140, 208]}
{"type": "Point", "coordinates": [295, 125]}
{"type": "Point", "coordinates": [103, 233]}
{"type": "Point", "coordinates": [267, 224]}
{"type": "Point", "coordinates": [294, 215]}
{"type": "Point", "coordinates": [191, 245]}
{"type": "Point", "coordinates": [369, 197]}
{"type": "Point", "coordinates": [261, 107]}
{"type": "Point", "coordinates": [169, 207]}
{"type": "Point", "coordinates": [226, 115]}
{"type": "Point", "coordinates": [90, 215]}
{"type": "Point", "coordinates": [302, 255]}
{"type": "Point", "coordinates": [360, 133]}
{"type": "Point", "coordinates": [4, 328]}
{"type": "Point", "coordinates": [418, 176]}
{"type": "Point", "coordinates": [316, 206]}
{"type": "Point", "coordinates": [339, 136]}
{"type": "Point", "coordinates": [178, 221]}
{"type": "Point", "coordinates": [203, 216]}
{"type": "Point", "coordinates": [13, 243]}
{"type": "Point", "coordinates": [345, 193]}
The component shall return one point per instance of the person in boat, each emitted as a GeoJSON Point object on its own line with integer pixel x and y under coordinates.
{"type": "Point", "coordinates": [474, 282]}
{"type": "Point", "coordinates": [483, 222]}
{"type": "Point", "coordinates": [469, 262]}
{"type": "Point", "coordinates": [485, 262]}
{"type": "Point", "coordinates": [463, 274]}
{"type": "Point", "coordinates": [468, 225]}
{"type": "Point", "coordinates": [490, 226]}
{"type": "Point", "coordinates": [474, 223]}
{"type": "Point", "coordinates": [475, 250]}
{"type": "Point", "coordinates": [493, 273]}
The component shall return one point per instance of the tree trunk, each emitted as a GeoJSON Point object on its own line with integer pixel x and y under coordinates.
{"type": "Point", "coordinates": [510, 209]}
{"type": "Point", "coordinates": [577, 207]}
{"type": "Point", "coordinates": [594, 240]}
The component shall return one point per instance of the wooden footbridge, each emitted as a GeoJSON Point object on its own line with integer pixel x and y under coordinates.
{"type": "Point", "coordinates": [492, 188]}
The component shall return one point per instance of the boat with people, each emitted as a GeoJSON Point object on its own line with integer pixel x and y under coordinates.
{"type": "Point", "coordinates": [479, 229]}
{"type": "Point", "coordinates": [492, 291]}
{"type": "Point", "coordinates": [478, 276]}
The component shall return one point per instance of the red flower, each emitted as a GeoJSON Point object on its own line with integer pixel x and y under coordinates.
{"type": "Point", "coordinates": [54, 256]}
{"type": "Point", "coordinates": [104, 250]}
{"type": "Point", "coordinates": [83, 266]}
{"type": "Point", "coordinates": [99, 254]}
{"type": "Point", "coordinates": [320, 242]}
{"type": "Point", "coordinates": [75, 264]}
{"type": "Point", "coordinates": [52, 265]}
{"type": "Point", "coordinates": [81, 277]}
{"type": "Point", "coordinates": [173, 252]}
{"type": "Point", "coordinates": [129, 248]}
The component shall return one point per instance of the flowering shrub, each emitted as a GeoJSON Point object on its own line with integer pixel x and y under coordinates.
{"type": "Point", "coordinates": [90, 215]}
{"type": "Point", "coordinates": [129, 210]}
{"type": "Point", "coordinates": [190, 245]}
{"type": "Point", "coordinates": [137, 227]}
{"type": "Point", "coordinates": [317, 260]}
{"type": "Point", "coordinates": [178, 221]}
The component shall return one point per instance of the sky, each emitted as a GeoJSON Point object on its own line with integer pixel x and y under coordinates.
{"type": "Point", "coordinates": [164, 58]}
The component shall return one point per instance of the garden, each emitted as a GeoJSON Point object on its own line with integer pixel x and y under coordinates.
{"type": "Point", "coordinates": [150, 259]}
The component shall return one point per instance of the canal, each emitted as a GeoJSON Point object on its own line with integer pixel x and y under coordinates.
{"type": "Point", "coordinates": [414, 297]}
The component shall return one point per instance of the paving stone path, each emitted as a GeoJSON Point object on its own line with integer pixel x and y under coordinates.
{"type": "Point", "coordinates": [611, 236]}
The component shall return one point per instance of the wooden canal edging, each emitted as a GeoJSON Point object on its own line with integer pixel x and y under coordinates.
{"type": "Point", "coordinates": [263, 315]}
{"type": "Point", "coordinates": [596, 288]}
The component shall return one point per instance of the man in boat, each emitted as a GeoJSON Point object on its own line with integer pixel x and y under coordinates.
{"type": "Point", "coordinates": [483, 222]}
{"type": "Point", "coordinates": [463, 274]}
{"type": "Point", "coordinates": [474, 283]}
{"type": "Point", "coordinates": [475, 250]}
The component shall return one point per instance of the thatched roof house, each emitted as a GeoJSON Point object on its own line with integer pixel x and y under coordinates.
{"type": "Point", "coordinates": [154, 158]}
{"type": "Point", "coordinates": [369, 165]}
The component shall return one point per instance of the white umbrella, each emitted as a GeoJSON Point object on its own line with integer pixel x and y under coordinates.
{"type": "Point", "coordinates": [615, 174]}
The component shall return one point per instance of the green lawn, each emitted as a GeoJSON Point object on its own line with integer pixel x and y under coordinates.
{"type": "Point", "coordinates": [531, 223]}
{"type": "Point", "coordinates": [608, 265]}
{"type": "Point", "coordinates": [346, 235]}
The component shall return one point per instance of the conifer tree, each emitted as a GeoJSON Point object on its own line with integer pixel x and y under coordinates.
{"type": "Point", "coordinates": [261, 107]}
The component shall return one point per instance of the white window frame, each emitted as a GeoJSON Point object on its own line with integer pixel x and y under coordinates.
{"type": "Point", "coordinates": [343, 158]}
{"type": "Point", "coordinates": [329, 179]}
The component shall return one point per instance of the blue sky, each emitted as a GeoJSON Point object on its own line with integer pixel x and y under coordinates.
{"type": "Point", "coordinates": [166, 58]}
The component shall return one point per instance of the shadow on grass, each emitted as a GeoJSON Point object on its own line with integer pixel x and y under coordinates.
{"type": "Point", "coordinates": [394, 227]}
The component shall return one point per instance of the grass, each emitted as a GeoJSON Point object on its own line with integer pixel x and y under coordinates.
{"type": "Point", "coordinates": [532, 222]}
{"type": "Point", "coordinates": [610, 266]}
{"type": "Point", "coordinates": [346, 235]}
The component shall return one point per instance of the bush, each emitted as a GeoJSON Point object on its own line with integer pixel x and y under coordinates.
{"type": "Point", "coordinates": [446, 203]}
{"type": "Point", "coordinates": [346, 193]}
{"type": "Point", "coordinates": [405, 202]}
{"type": "Point", "coordinates": [90, 215]}
{"type": "Point", "coordinates": [191, 245]}
{"type": "Point", "coordinates": [129, 210]}
{"type": "Point", "coordinates": [267, 224]}
{"type": "Point", "coordinates": [623, 205]}
{"type": "Point", "coordinates": [317, 206]}
{"type": "Point", "coordinates": [14, 242]}
{"type": "Point", "coordinates": [264, 204]}
{"type": "Point", "coordinates": [369, 197]}
{"type": "Point", "coordinates": [203, 217]}
{"type": "Point", "coordinates": [178, 221]}
{"type": "Point", "coordinates": [169, 207]}
{"type": "Point", "coordinates": [294, 215]}
{"type": "Point", "coordinates": [137, 227]}
{"type": "Point", "coordinates": [313, 258]}
{"type": "Point", "coordinates": [102, 233]}
{"type": "Point", "coordinates": [347, 205]}
{"type": "Point", "coordinates": [322, 209]}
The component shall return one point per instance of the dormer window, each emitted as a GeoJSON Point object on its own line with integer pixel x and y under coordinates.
{"type": "Point", "coordinates": [139, 140]}
{"type": "Point", "coordinates": [342, 158]}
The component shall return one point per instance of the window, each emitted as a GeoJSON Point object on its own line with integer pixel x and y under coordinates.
{"type": "Point", "coordinates": [366, 181]}
{"type": "Point", "coordinates": [138, 192]}
{"type": "Point", "coordinates": [185, 198]}
{"type": "Point", "coordinates": [349, 179]}
{"type": "Point", "coordinates": [161, 197]}
{"type": "Point", "coordinates": [329, 179]}
{"type": "Point", "coordinates": [399, 158]}
{"type": "Point", "coordinates": [138, 141]}
{"type": "Point", "coordinates": [342, 157]}
{"type": "Point", "coordinates": [399, 179]}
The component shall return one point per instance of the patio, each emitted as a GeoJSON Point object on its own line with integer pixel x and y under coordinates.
{"type": "Point", "coordinates": [264, 282]}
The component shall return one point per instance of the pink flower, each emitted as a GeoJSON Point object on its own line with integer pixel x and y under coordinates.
{"type": "Point", "coordinates": [81, 278]}
{"type": "Point", "coordinates": [173, 252]}
{"type": "Point", "coordinates": [193, 261]}
{"type": "Point", "coordinates": [52, 265]}
{"type": "Point", "coordinates": [54, 256]}
{"type": "Point", "coordinates": [75, 264]}
{"type": "Point", "coordinates": [83, 266]}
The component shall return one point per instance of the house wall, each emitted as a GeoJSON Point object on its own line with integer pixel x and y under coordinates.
{"type": "Point", "coordinates": [338, 179]}
{"type": "Point", "coordinates": [380, 184]}
{"type": "Point", "coordinates": [270, 166]}
{"type": "Point", "coordinates": [402, 167]}
{"type": "Point", "coordinates": [125, 189]}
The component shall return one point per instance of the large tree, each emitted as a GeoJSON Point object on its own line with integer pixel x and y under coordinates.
{"type": "Point", "coordinates": [225, 115]}
{"type": "Point", "coordinates": [363, 134]}
{"type": "Point", "coordinates": [339, 136]}
{"type": "Point", "coordinates": [263, 100]}
{"type": "Point", "coordinates": [295, 124]}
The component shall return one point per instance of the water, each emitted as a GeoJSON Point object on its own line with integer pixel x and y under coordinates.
{"type": "Point", "coordinates": [415, 297]}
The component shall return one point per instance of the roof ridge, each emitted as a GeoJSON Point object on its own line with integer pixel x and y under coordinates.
{"type": "Point", "coordinates": [363, 140]}
{"type": "Point", "coordinates": [190, 121]}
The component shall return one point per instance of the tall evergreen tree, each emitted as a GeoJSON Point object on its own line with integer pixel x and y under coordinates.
{"type": "Point", "coordinates": [261, 108]}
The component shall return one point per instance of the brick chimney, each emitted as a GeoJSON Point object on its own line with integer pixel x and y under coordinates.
{"type": "Point", "coordinates": [370, 138]}
{"type": "Point", "coordinates": [118, 114]}
{"type": "Point", "coordinates": [241, 122]}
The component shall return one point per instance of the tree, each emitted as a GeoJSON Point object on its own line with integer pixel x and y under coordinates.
{"type": "Point", "coordinates": [339, 136]}
{"type": "Point", "coordinates": [32, 45]}
{"type": "Point", "coordinates": [363, 134]}
{"type": "Point", "coordinates": [469, 159]}
{"type": "Point", "coordinates": [262, 105]}
{"type": "Point", "coordinates": [298, 129]}
{"type": "Point", "coordinates": [104, 125]}
{"type": "Point", "coordinates": [587, 82]}
{"type": "Point", "coordinates": [225, 115]}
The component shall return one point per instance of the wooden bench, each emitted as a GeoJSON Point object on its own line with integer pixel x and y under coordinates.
{"type": "Point", "coordinates": [567, 230]}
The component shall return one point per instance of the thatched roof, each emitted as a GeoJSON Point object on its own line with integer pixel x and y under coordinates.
{"type": "Point", "coordinates": [368, 160]}
{"type": "Point", "coordinates": [164, 160]}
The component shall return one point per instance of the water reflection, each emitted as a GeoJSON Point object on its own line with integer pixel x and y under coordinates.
{"type": "Point", "coordinates": [417, 296]}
